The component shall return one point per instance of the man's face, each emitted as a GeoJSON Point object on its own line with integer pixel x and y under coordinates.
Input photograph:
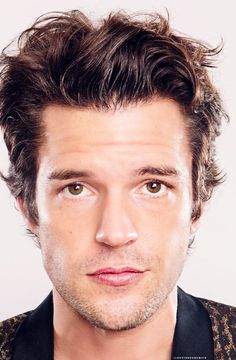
{"type": "Point", "coordinates": [114, 199]}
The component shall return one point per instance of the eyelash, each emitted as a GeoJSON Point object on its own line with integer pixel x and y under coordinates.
{"type": "Point", "coordinates": [147, 182]}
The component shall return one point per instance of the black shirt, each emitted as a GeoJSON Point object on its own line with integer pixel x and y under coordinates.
{"type": "Point", "coordinates": [193, 337]}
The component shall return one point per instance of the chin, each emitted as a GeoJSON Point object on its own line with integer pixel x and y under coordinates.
{"type": "Point", "coordinates": [120, 314]}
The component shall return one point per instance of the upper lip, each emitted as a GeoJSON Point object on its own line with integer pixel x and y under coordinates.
{"type": "Point", "coordinates": [112, 270]}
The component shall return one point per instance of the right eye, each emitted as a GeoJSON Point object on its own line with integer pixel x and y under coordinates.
{"type": "Point", "coordinates": [76, 190]}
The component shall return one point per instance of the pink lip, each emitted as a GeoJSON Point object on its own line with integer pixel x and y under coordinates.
{"type": "Point", "coordinates": [117, 276]}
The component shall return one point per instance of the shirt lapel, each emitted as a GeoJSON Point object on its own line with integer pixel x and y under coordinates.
{"type": "Point", "coordinates": [34, 338]}
{"type": "Point", "coordinates": [193, 338]}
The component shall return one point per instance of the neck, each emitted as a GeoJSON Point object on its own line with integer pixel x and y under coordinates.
{"type": "Point", "coordinates": [75, 338]}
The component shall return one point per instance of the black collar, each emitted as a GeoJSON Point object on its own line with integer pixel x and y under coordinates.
{"type": "Point", "coordinates": [192, 339]}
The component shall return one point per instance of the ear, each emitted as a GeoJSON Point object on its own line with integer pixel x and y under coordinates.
{"type": "Point", "coordinates": [22, 208]}
{"type": "Point", "coordinates": [196, 223]}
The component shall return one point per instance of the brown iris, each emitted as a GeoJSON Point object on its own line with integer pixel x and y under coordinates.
{"type": "Point", "coordinates": [153, 187]}
{"type": "Point", "coordinates": [75, 189]}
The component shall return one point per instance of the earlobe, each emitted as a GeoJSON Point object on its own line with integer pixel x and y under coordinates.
{"type": "Point", "coordinates": [28, 223]}
{"type": "Point", "coordinates": [194, 227]}
{"type": "Point", "coordinates": [196, 223]}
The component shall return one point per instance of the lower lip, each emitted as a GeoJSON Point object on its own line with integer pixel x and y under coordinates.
{"type": "Point", "coordinates": [120, 279]}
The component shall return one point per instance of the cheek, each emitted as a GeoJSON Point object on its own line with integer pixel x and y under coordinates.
{"type": "Point", "coordinates": [166, 230]}
{"type": "Point", "coordinates": [64, 241]}
{"type": "Point", "coordinates": [169, 220]}
{"type": "Point", "coordinates": [66, 223]}
{"type": "Point", "coordinates": [168, 238]}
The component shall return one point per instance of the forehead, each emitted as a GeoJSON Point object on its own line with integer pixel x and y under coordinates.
{"type": "Point", "coordinates": [155, 129]}
{"type": "Point", "coordinates": [142, 123]}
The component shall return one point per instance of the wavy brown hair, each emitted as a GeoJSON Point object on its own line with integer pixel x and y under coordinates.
{"type": "Point", "coordinates": [66, 59]}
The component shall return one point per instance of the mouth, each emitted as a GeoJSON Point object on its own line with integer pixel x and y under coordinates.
{"type": "Point", "coordinates": [117, 276]}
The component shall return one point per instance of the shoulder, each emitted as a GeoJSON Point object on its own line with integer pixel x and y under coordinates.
{"type": "Point", "coordinates": [8, 329]}
{"type": "Point", "coordinates": [223, 320]}
{"type": "Point", "coordinates": [219, 311]}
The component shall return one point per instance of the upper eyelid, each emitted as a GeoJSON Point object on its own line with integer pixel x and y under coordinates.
{"type": "Point", "coordinates": [163, 182]}
{"type": "Point", "coordinates": [73, 183]}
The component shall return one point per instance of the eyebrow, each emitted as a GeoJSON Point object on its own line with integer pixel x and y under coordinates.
{"type": "Point", "coordinates": [151, 170]}
{"type": "Point", "coordinates": [161, 171]}
{"type": "Point", "coordinates": [68, 174]}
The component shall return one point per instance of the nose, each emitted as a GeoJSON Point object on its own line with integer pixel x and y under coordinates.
{"type": "Point", "coordinates": [116, 227]}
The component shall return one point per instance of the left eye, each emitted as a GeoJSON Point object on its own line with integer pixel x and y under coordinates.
{"type": "Point", "coordinates": [155, 187]}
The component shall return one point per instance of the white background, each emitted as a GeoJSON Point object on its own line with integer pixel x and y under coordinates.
{"type": "Point", "coordinates": [210, 270]}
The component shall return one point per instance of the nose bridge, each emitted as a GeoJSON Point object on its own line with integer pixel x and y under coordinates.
{"type": "Point", "coordinates": [116, 227]}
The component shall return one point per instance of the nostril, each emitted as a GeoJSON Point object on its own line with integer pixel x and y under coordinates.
{"type": "Point", "coordinates": [133, 236]}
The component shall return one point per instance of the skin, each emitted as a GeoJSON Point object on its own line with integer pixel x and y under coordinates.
{"type": "Point", "coordinates": [110, 216]}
